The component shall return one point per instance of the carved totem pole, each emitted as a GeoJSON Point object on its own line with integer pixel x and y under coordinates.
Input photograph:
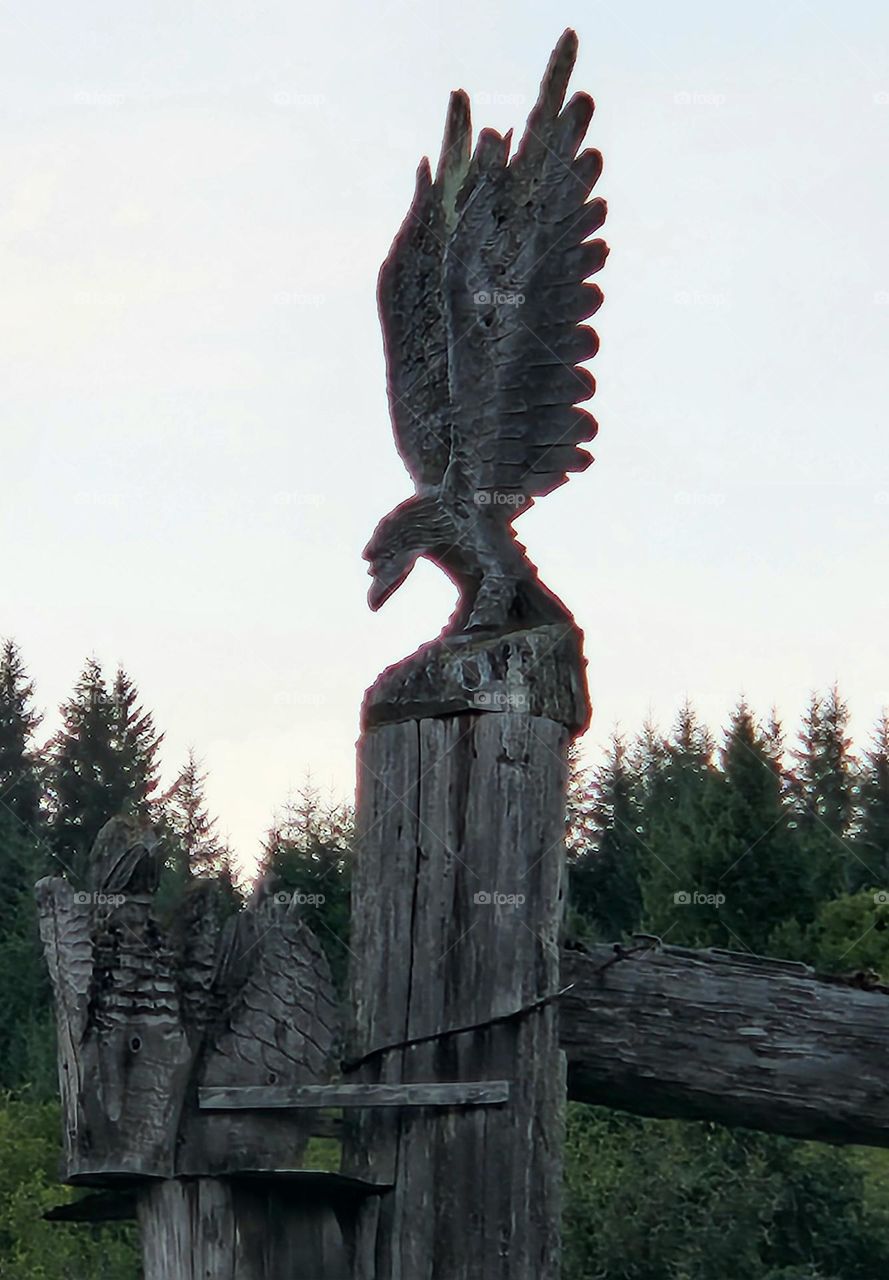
{"type": "Point", "coordinates": [178, 1046]}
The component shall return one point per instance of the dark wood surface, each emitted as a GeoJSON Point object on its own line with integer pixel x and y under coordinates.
{"type": "Point", "coordinates": [465, 1094]}
{"type": "Point", "coordinates": [456, 908]}
{"type": "Point", "coordinates": [738, 1039]}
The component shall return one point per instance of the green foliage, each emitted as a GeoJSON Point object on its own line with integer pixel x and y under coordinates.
{"type": "Point", "coordinates": [308, 852]}
{"type": "Point", "coordinates": [19, 776]}
{"type": "Point", "coordinates": [733, 853]}
{"type": "Point", "coordinates": [102, 763]}
{"type": "Point", "coordinates": [30, 1248]}
{"type": "Point", "coordinates": [824, 790]}
{"type": "Point", "coordinates": [870, 861]}
{"type": "Point", "coordinates": [761, 869]}
{"type": "Point", "coordinates": [193, 847]}
{"type": "Point", "coordinates": [850, 934]}
{"type": "Point", "coordinates": [323, 1153]}
{"type": "Point", "coordinates": [26, 1041]}
{"type": "Point", "coordinates": [684, 839]}
{"type": "Point", "coordinates": [673, 1200]}
{"type": "Point", "coordinates": [604, 821]}
{"type": "Point", "coordinates": [824, 781]}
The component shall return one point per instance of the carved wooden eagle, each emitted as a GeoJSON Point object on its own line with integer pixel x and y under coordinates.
{"type": "Point", "coordinates": [481, 299]}
{"type": "Point", "coordinates": [148, 1013]}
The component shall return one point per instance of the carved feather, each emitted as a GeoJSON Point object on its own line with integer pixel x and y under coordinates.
{"type": "Point", "coordinates": [67, 945]}
{"type": "Point", "coordinates": [280, 1023]}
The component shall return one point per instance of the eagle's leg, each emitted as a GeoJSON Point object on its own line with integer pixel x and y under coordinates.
{"type": "Point", "coordinates": [493, 603]}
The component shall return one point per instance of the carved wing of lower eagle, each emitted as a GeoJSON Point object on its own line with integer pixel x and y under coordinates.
{"type": "Point", "coordinates": [279, 1022]}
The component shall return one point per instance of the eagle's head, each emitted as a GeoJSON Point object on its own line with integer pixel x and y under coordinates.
{"type": "Point", "coordinates": [126, 856]}
{"type": "Point", "coordinates": [392, 552]}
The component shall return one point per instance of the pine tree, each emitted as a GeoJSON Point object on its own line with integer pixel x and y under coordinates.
{"type": "Point", "coordinates": [25, 1030]}
{"type": "Point", "coordinates": [680, 832]}
{"type": "Point", "coordinates": [200, 850]}
{"type": "Point", "coordinates": [19, 778]}
{"type": "Point", "coordinates": [650, 756]}
{"type": "Point", "coordinates": [102, 762]}
{"type": "Point", "coordinates": [193, 847]}
{"type": "Point", "coordinates": [824, 779]}
{"type": "Point", "coordinates": [135, 743]}
{"type": "Point", "coordinates": [603, 871]}
{"type": "Point", "coordinates": [824, 792]}
{"type": "Point", "coordinates": [774, 748]}
{"type": "Point", "coordinates": [762, 873]}
{"type": "Point", "coordinates": [871, 868]}
{"type": "Point", "coordinates": [579, 805]}
{"type": "Point", "coordinates": [308, 853]}
{"type": "Point", "coordinates": [27, 1045]}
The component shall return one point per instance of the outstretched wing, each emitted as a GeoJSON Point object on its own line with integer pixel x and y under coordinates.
{"type": "Point", "coordinates": [411, 303]}
{"type": "Point", "coordinates": [281, 1021]}
{"type": "Point", "coordinates": [482, 297]}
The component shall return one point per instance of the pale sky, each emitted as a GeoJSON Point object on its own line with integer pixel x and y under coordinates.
{"type": "Point", "coordinates": [196, 198]}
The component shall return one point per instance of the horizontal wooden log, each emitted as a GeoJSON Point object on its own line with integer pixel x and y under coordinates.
{"type": "Point", "coordinates": [483, 1093]}
{"type": "Point", "coordinates": [738, 1039]}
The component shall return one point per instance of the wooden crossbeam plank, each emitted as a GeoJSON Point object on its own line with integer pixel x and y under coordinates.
{"type": "Point", "coordinates": [477, 1093]}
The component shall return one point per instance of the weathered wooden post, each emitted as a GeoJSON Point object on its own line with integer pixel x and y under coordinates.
{"type": "Point", "coordinates": [457, 896]}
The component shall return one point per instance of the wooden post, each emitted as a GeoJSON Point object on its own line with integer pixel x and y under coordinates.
{"type": "Point", "coordinates": [195, 1229]}
{"type": "Point", "coordinates": [462, 762]}
{"type": "Point", "coordinates": [457, 904]}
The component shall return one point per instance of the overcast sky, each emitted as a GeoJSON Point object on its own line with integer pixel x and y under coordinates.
{"type": "Point", "coordinates": [196, 198]}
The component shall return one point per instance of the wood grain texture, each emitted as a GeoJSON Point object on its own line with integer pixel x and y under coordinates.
{"type": "Point", "coordinates": [457, 903]}
{"type": "Point", "coordinates": [737, 1039]}
{"type": "Point", "coordinates": [539, 671]}
{"type": "Point", "coordinates": [125, 1056]}
{"type": "Point", "coordinates": [215, 1229]}
{"type": "Point", "coordinates": [468, 1094]}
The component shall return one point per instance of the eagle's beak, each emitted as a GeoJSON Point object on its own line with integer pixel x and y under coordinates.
{"type": "Point", "coordinates": [386, 580]}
